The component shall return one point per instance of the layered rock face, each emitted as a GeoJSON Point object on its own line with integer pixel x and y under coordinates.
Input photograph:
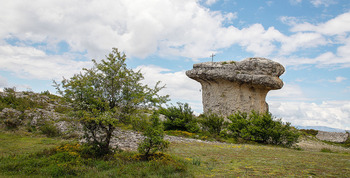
{"type": "Point", "coordinates": [230, 86]}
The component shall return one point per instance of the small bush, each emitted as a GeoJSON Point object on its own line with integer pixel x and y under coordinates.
{"type": "Point", "coordinates": [262, 128]}
{"type": "Point", "coordinates": [212, 123]}
{"type": "Point", "coordinates": [180, 118]}
{"type": "Point", "coordinates": [49, 129]}
{"type": "Point", "coordinates": [10, 90]}
{"type": "Point", "coordinates": [154, 138]}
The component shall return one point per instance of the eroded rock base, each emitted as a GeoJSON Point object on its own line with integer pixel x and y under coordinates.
{"type": "Point", "coordinates": [226, 98]}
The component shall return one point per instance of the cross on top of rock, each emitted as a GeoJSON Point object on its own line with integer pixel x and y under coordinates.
{"type": "Point", "coordinates": [212, 57]}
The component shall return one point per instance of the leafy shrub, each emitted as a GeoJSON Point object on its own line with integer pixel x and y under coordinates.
{"type": "Point", "coordinates": [49, 129]}
{"type": "Point", "coordinates": [239, 122]}
{"type": "Point", "coordinates": [180, 118]}
{"type": "Point", "coordinates": [140, 122]}
{"type": "Point", "coordinates": [212, 123]}
{"type": "Point", "coordinates": [310, 131]}
{"type": "Point", "coordinates": [47, 93]}
{"type": "Point", "coordinates": [98, 131]}
{"type": "Point", "coordinates": [154, 138]}
{"type": "Point", "coordinates": [10, 90]}
{"type": "Point", "coordinates": [262, 128]}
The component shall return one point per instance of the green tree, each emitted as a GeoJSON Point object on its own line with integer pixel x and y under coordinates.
{"type": "Point", "coordinates": [106, 94]}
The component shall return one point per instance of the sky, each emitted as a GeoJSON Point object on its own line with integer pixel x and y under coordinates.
{"type": "Point", "coordinates": [42, 40]}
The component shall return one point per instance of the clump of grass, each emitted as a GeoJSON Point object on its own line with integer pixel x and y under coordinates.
{"type": "Point", "coordinates": [326, 150]}
{"type": "Point", "coordinates": [196, 161]}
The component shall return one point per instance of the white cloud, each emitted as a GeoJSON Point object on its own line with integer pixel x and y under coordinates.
{"type": "Point", "coordinates": [328, 59]}
{"type": "Point", "coordinates": [338, 79]}
{"type": "Point", "coordinates": [258, 40]}
{"type": "Point", "coordinates": [336, 26]}
{"type": "Point", "coordinates": [3, 82]}
{"type": "Point", "coordinates": [210, 2]}
{"type": "Point", "coordinates": [289, 92]}
{"type": "Point", "coordinates": [269, 3]}
{"type": "Point", "coordinates": [301, 41]}
{"type": "Point", "coordinates": [31, 63]}
{"type": "Point", "coordinates": [294, 2]}
{"type": "Point", "coordinates": [291, 21]}
{"type": "Point", "coordinates": [325, 3]}
{"type": "Point", "coordinates": [333, 114]}
{"type": "Point", "coordinates": [140, 28]}
{"type": "Point", "coordinates": [178, 85]}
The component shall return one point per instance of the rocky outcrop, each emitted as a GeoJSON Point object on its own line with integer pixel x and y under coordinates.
{"type": "Point", "coordinates": [332, 136]}
{"type": "Point", "coordinates": [230, 86]}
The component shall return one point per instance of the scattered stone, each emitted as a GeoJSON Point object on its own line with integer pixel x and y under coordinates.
{"type": "Point", "coordinates": [230, 86]}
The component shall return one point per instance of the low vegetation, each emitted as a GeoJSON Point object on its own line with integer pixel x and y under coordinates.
{"type": "Point", "coordinates": [35, 156]}
{"type": "Point", "coordinates": [238, 127]}
{"type": "Point", "coordinates": [246, 160]}
{"type": "Point", "coordinates": [43, 157]}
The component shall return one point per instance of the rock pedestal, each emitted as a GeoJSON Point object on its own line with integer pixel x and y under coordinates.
{"type": "Point", "coordinates": [230, 86]}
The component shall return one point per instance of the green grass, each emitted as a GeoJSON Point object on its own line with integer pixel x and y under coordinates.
{"type": "Point", "coordinates": [18, 144]}
{"type": "Point", "coordinates": [220, 160]}
{"type": "Point", "coordinates": [33, 156]}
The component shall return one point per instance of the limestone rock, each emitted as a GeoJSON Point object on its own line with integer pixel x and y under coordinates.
{"type": "Point", "coordinates": [230, 86]}
{"type": "Point", "coordinates": [332, 136]}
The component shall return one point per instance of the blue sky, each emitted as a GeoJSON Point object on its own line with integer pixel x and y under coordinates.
{"type": "Point", "coordinates": [43, 40]}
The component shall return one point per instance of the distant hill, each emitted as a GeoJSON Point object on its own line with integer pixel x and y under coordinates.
{"type": "Point", "coordinates": [321, 128]}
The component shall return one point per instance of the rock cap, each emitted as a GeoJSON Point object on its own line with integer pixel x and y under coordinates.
{"type": "Point", "coordinates": [256, 71]}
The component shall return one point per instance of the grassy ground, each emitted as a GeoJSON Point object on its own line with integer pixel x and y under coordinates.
{"type": "Point", "coordinates": [24, 143]}
{"type": "Point", "coordinates": [23, 155]}
{"type": "Point", "coordinates": [222, 160]}
{"type": "Point", "coordinates": [33, 156]}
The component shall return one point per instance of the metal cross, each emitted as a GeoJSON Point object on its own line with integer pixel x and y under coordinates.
{"type": "Point", "coordinates": [212, 57]}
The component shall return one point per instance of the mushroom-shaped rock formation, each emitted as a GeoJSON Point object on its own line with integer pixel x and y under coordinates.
{"type": "Point", "coordinates": [230, 86]}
